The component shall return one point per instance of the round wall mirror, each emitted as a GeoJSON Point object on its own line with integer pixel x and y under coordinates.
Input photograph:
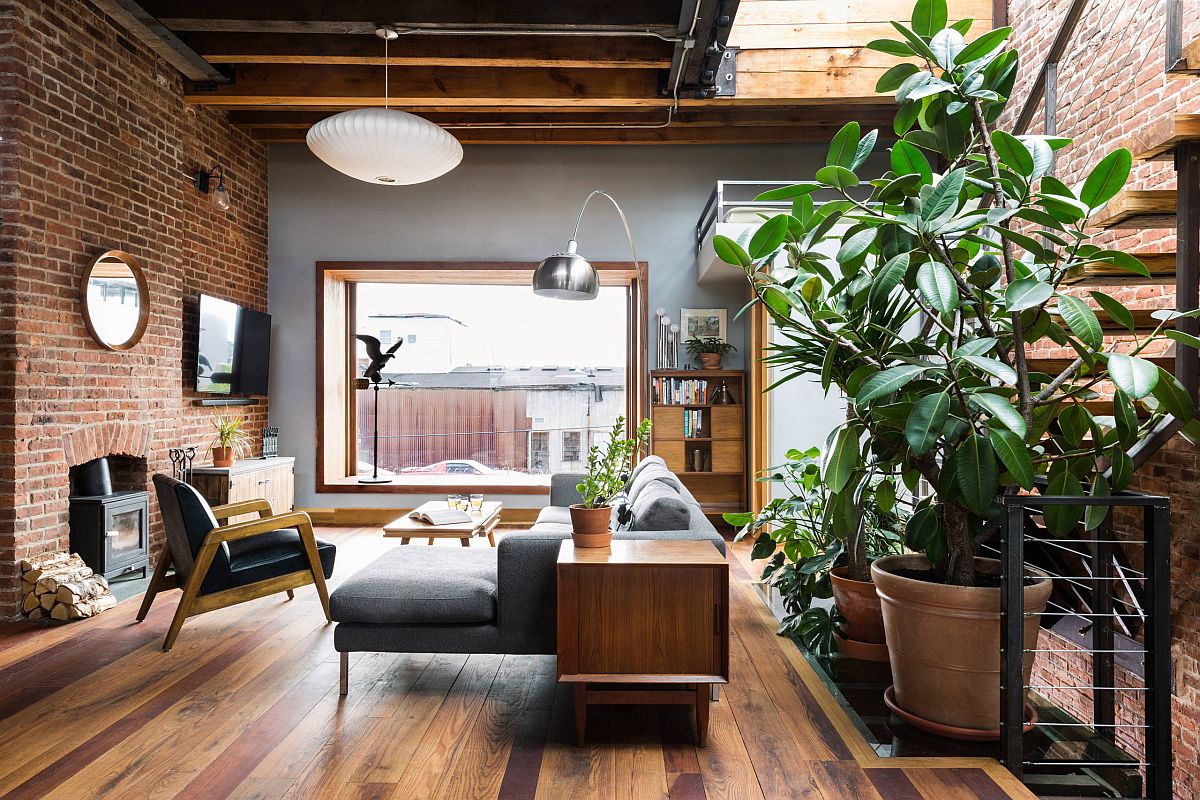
{"type": "Point", "coordinates": [115, 300]}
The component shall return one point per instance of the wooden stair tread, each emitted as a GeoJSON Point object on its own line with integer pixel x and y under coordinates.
{"type": "Point", "coordinates": [1160, 265]}
{"type": "Point", "coordinates": [1191, 57]}
{"type": "Point", "coordinates": [1157, 141]}
{"type": "Point", "coordinates": [1137, 208]}
{"type": "Point", "coordinates": [1052, 365]}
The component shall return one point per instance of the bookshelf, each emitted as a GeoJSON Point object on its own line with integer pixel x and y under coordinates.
{"type": "Point", "coordinates": [703, 442]}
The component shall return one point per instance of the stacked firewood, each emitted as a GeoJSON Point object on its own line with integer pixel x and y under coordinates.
{"type": "Point", "coordinates": [60, 586]}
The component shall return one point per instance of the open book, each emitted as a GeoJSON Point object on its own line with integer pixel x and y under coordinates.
{"type": "Point", "coordinates": [440, 516]}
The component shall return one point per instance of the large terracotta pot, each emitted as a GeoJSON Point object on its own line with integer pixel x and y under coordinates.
{"type": "Point", "coordinates": [858, 605]}
{"type": "Point", "coordinates": [944, 642]}
{"type": "Point", "coordinates": [710, 361]}
{"type": "Point", "coordinates": [589, 526]}
{"type": "Point", "coordinates": [223, 456]}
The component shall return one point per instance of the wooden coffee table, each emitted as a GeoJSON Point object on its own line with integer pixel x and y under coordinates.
{"type": "Point", "coordinates": [483, 523]}
{"type": "Point", "coordinates": [643, 622]}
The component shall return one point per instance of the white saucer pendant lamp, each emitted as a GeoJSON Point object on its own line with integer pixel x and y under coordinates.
{"type": "Point", "coordinates": [383, 145]}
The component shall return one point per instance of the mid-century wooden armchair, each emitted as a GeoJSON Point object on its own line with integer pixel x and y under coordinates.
{"type": "Point", "coordinates": [221, 565]}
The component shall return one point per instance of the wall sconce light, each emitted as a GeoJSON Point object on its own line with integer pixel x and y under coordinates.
{"type": "Point", "coordinates": [218, 195]}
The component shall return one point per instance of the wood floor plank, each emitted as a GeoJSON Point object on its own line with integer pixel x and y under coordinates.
{"type": "Point", "coordinates": [892, 784]}
{"type": "Point", "coordinates": [478, 771]}
{"type": "Point", "coordinates": [638, 767]}
{"type": "Point", "coordinates": [957, 784]}
{"type": "Point", "coordinates": [778, 761]}
{"type": "Point", "coordinates": [844, 780]}
{"type": "Point", "coordinates": [427, 770]}
{"type": "Point", "coordinates": [725, 765]}
{"type": "Point", "coordinates": [529, 743]}
{"type": "Point", "coordinates": [587, 772]}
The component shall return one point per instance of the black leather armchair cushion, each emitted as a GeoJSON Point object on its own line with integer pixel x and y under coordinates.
{"type": "Point", "coordinates": [269, 555]}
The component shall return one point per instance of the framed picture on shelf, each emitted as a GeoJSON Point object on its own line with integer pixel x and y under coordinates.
{"type": "Point", "coordinates": [703, 323]}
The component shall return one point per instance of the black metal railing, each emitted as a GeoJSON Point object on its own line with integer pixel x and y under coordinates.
{"type": "Point", "coordinates": [1124, 611]}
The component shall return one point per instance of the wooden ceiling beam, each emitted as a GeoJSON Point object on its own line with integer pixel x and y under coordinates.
{"type": "Point", "coordinates": [577, 13]}
{"type": "Point", "coordinates": [159, 38]}
{"type": "Point", "coordinates": [432, 51]}
{"type": "Point", "coordinates": [308, 85]}
{"type": "Point", "coordinates": [675, 134]}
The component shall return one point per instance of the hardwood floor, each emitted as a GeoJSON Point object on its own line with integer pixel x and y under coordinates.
{"type": "Point", "coordinates": [246, 706]}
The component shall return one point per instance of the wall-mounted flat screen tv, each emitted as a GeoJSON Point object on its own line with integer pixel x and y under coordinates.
{"type": "Point", "coordinates": [233, 348]}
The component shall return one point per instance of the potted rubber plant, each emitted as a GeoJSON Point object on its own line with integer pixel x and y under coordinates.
{"type": "Point", "coordinates": [817, 547]}
{"type": "Point", "coordinates": [924, 295]}
{"type": "Point", "coordinates": [231, 439]}
{"type": "Point", "coordinates": [708, 350]}
{"type": "Point", "coordinates": [607, 466]}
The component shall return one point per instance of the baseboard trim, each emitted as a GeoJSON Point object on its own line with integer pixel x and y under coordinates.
{"type": "Point", "coordinates": [378, 517]}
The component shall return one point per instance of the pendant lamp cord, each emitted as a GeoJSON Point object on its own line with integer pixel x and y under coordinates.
{"type": "Point", "coordinates": [385, 74]}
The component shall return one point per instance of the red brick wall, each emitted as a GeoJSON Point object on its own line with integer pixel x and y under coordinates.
{"type": "Point", "coordinates": [1111, 85]}
{"type": "Point", "coordinates": [97, 147]}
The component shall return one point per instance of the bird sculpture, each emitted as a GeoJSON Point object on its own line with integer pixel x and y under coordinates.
{"type": "Point", "coordinates": [378, 357]}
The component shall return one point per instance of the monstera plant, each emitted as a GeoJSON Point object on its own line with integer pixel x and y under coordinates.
{"type": "Point", "coordinates": [923, 293]}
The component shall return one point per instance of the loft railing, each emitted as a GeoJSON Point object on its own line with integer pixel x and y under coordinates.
{"type": "Point", "coordinates": [1107, 593]}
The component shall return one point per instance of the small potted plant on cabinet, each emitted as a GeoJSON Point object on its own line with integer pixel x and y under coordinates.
{"type": "Point", "coordinates": [604, 479]}
{"type": "Point", "coordinates": [230, 441]}
{"type": "Point", "coordinates": [709, 350]}
{"type": "Point", "coordinates": [821, 545]}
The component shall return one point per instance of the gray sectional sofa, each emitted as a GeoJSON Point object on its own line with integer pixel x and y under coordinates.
{"type": "Point", "coordinates": [415, 599]}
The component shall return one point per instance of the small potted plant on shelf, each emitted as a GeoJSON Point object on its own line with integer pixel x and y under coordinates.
{"type": "Point", "coordinates": [818, 547]}
{"type": "Point", "coordinates": [709, 350]}
{"type": "Point", "coordinates": [231, 439]}
{"type": "Point", "coordinates": [604, 479]}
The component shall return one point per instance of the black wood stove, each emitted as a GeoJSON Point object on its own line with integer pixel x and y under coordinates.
{"type": "Point", "coordinates": [109, 529]}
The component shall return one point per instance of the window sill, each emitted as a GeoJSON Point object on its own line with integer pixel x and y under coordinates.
{"type": "Point", "coordinates": [439, 484]}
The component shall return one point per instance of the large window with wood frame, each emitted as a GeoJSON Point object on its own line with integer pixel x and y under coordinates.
{"type": "Point", "coordinates": [488, 386]}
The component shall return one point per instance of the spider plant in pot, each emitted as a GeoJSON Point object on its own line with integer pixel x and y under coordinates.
{"type": "Point", "coordinates": [819, 546]}
{"type": "Point", "coordinates": [945, 286]}
{"type": "Point", "coordinates": [709, 350]}
{"type": "Point", "coordinates": [231, 440]}
{"type": "Point", "coordinates": [607, 466]}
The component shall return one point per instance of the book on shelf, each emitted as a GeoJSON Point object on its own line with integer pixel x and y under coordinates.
{"type": "Point", "coordinates": [679, 391]}
{"type": "Point", "coordinates": [693, 422]}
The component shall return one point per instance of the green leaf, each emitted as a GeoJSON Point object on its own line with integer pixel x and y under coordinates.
{"type": "Point", "coordinates": [929, 17]}
{"type": "Point", "coordinates": [790, 192]}
{"type": "Point", "coordinates": [1081, 320]}
{"type": "Point", "coordinates": [1124, 261]}
{"type": "Point", "coordinates": [1075, 422]}
{"type": "Point", "coordinates": [843, 145]}
{"type": "Point", "coordinates": [907, 159]}
{"type": "Point", "coordinates": [1121, 469]}
{"type": "Point", "coordinates": [992, 366]}
{"type": "Point", "coordinates": [925, 421]}
{"type": "Point", "coordinates": [1174, 398]}
{"type": "Point", "coordinates": [937, 286]}
{"type": "Point", "coordinates": [855, 245]}
{"type": "Point", "coordinates": [839, 177]}
{"type": "Point", "coordinates": [924, 534]}
{"type": "Point", "coordinates": [1061, 520]}
{"type": "Point", "coordinates": [731, 252]}
{"type": "Point", "coordinates": [884, 383]}
{"type": "Point", "coordinates": [1027, 293]}
{"type": "Point", "coordinates": [891, 47]}
{"type": "Point", "coordinates": [1125, 418]}
{"type": "Point", "coordinates": [977, 473]}
{"type": "Point", "coordinates": [1001, 409]}
{"type": "Point", "coordinates": [1107, 178]}
{"type": "Point", "coordinates": [1117, 312]}
{"type": "Point", "coordinates": [944, 197]}
{"type": "Point", "coordinates": [1014, 455]}
{"type": "Point", "coordinates": [890, 81]}
{"type": "Point", "coordinates": [1094, 515]}
{"type": "Point", "coordinates": [946, 45]}
{"type": "Point", "coordinates": [1184, 338]}
{"type": "Point", "coordinates": [1013, 152]}
{"type": "Point", "coordinates": [843, 459]}
{"type": "Point", "coordinates": [1134, 376]}
{"type": "Point", "coordinates": [768, 237]}
{"type": "Point", "coordinates": [887, 279]}
{"type": "Point", "coordinates": [983, 46]}
{"type": "Point", "coordinates": [865, 146]}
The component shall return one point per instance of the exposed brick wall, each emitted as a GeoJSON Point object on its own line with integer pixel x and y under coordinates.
{"type": "Point", "coordinates": [1111, 85]}
{"type": "Point", "coordinates": [97, 147]}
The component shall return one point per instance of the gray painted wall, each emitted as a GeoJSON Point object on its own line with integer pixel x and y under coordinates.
{"type": "Point", "coordinates": [501, 203]}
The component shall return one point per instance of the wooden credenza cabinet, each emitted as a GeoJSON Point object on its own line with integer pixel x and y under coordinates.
{"type": "Point", "coordinates": [643, 622]}
{"type": "Point", "coordinates": [272, 479]}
